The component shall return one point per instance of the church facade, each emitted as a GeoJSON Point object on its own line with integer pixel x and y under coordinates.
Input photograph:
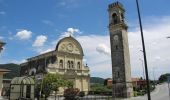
{"type": "Point", "coordinates": [66, 59]}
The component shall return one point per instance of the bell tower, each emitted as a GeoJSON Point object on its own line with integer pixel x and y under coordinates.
{"type": "Point", "coordinates": [121, 69]}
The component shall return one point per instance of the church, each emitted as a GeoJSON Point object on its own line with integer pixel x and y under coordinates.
{"type": "Point", "coordinates": [66, 59]}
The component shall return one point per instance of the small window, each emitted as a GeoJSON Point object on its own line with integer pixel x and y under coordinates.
{"type": "Point", "coordinates": [115, 18]}
{"type": "Point", "coordinates": [32, 73]}
{"type": "Point", "coordinates": [61, 64]}
{"type": "Point", "coordinates": [68, 64]}
{"type": "Point", "coordinates": [122, 17]}
{"type": "Point", "coordinates": [116, 47]}
{"type": "Point", "coordinates": [118, 74]}
{"type": "Point", "coordinates": [72, 64]}
{"type": "Point", "coordinates": [53, 59]}
{"type": "Point", "coordinates": [78, 65]}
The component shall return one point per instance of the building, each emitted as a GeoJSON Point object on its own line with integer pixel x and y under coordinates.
{"type": "Point", "coordinates": [121, 69]}
{"type": "Point", "coordinates": [108, 82]}
{"type": "Point", "coordinates": [22, 87]}
{"type": "Point", "coordinates": [138, 83]}
{"type": "Point", "coordinates": [2, 72]}
{"type": "Point", "coordinates": [66, 59]}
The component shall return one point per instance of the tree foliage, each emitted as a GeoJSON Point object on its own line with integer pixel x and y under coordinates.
{"type": "Point", "coordinates": [100, 88]}
{"type": "Point", "coordinates": [52, 82]}
{"type": "Point", "coordinates": [163, 77]}
{"type": "Point", "coordinates": [96, 80]}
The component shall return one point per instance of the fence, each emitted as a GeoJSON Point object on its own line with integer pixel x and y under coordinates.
{"type": "Point", "coordinates": [88, 97]}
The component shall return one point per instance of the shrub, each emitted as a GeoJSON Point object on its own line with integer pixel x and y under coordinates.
{"type": "Point", "coordinates": [81, 94]}
{"type": "Point", "coordinates": [71, 93]}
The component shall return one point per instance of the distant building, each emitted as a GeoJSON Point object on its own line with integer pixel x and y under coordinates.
{"type": "Point", "coordinates": [108, 82]}
{"type": "Point", "coordinates": [6, 87]}
{"type": "Point", "coordinates": [138, 83]}
{"type": "Point", "coordinates": [66, 59]}
{"type": "Point", "coordinates": [2, 72]}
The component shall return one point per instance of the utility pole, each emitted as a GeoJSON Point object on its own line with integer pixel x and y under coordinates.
{"type": "Point", "coordinates": [144, 52]}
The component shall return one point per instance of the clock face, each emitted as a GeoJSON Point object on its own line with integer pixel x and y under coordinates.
{"type": "Point", "coordinates": [70, 47]}
{"type": "Point", "coordinates": [116, 37]}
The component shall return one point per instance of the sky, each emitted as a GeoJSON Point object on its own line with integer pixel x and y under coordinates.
{"type": "Point", "coordinates": [32, 27]}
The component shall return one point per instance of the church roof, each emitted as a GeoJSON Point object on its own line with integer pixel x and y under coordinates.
{"type": "Point", "coordinates": [71, 39]}
{"type": "Point", "coordinates": [4, 70]}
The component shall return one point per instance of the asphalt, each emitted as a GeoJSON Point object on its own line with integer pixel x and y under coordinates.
{"type": "Point", "coordinates": [160, 93]}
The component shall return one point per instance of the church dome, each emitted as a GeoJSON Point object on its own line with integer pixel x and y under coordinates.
{"type": "Point", "coordinates": [70, 45]}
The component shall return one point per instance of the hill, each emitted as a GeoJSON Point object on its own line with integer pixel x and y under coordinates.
{"type": "Point", "coordinates": [14, 68]}
{"type": "Point", "coordinates": [96, 80]}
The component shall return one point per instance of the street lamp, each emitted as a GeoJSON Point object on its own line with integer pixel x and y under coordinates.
{"type": "Point", "coordinates": [142, 68]}
{"type": "Point", "coordinates": [154, 76]}
{"type": "Point", "coordinates": [144, 52]}
{"type": "Point", "coordinates": [1, 45]}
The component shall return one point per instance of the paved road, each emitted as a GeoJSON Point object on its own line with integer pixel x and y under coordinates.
{"type": "Point", "coordinates": [160, 93]}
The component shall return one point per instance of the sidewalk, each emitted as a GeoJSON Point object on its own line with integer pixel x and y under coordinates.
{"type": "Point", "coordinates": [1, 98]}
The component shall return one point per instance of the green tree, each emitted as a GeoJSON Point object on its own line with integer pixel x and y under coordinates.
{"type": "Point", "coordinates": [163, 78]}
{"type": "Point", "coordinates": [52, 82]}
{"type": "Point", "coordinates": [100, 88]}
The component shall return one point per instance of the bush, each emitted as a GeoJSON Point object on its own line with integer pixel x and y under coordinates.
{"type": "Point", "coordinates": [140, 93]}
{"type": "Point", "coordinates": [135, 93]}
{"type": "Point", "coordinates": [71, 93]}
{"type": "Point", "coordinates": [81, 94]}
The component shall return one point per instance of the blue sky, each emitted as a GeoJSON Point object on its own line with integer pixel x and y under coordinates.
{"type": "Point", "coordinates": [30, 27]}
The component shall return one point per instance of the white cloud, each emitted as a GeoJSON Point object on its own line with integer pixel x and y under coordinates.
{"type": "Point", "coordinates": [40, 40]}
{"type": "Point", "coordinates": [99, 64]}
{"type": "Point", "coordinates": [48, 50]}
{"type": "Point", "coordinates": [103, 49]}
{"type": "Point", "coordinates": [24, 34]}
{"type": "Point", "coordinates": [17, 61]}
{"type": "Point", "coordinates": [1, 37]}
{"type": "Point", "coordinates": [68, 4]}
{"type": "Point", "coordinates": [2, 13]}
{"type": "Point", "coordinates": [70, 32]}
{"type": "Point", "coordinates": [48, 22]}
{"type": "Point", "coordinates": [157, 46]}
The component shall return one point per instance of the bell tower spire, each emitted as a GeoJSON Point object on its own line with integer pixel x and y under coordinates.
{"type": "Point", "coordinates": [121, 70]}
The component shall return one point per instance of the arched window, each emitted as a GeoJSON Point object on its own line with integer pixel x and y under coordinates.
{"type": "Point", "coordinates": [53, 59]}
{"type": "Point", "coordinates": [78, 65]}
{"type": "Point", "coordinates": [68, 64]}
{"type": "Point", "coordinates": [72, 64]}
{"type": "Point", "coordinates": [61, 64]}
{"type": "Point", "coordinates": [115, 18]}
{"type": "Point", "coordinates": [122, 17]}
{"type": "Point", "coordinates": [32, 73]}
{"type": "Point", "coordinates": [116, 47]}
{"type": "Point", "coordinates": [118, 74]}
